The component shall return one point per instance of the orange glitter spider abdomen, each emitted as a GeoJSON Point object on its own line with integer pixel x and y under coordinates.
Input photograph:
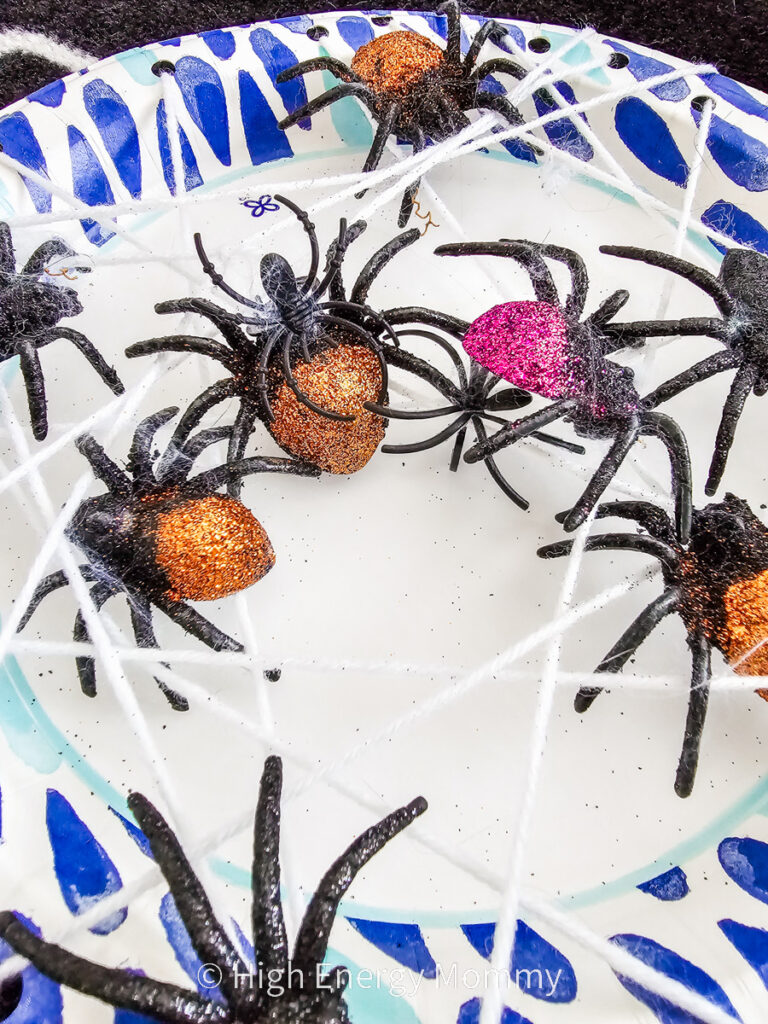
{"type": "Point", "coordinates": [746, 626]}
{"type": "Point", "coordinates": [210, 548]}
{"type": "Point", "coordinates": [340, 380]}
{"type": "Point", "coordinates": [396, 63]}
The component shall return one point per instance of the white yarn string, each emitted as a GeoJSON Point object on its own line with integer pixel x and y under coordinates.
{"type": "Point", "coordinates": [506, 925]}
{"type": "Point", "coordinates": [15, 40]}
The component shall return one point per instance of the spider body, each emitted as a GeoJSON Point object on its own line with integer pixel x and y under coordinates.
{"type": "Point", "coordinates": [473, 398]}
{"type": "Point", "coordinates": [413, 88]}
{"type": "Point", "coordinates": [301, 360]}
{"type": "Point", "coordinates": [31, 308]}
{"type": "Point", "coordinates": [299, 991]}
{"type": "Point", "coordinates": [546, 348]}
{"type": "Point", "coordinates": [717, 582]}
{"type": "Point", "coordinates": [740, 292]}
{"type": "Point", "coordinates": [163, 538]}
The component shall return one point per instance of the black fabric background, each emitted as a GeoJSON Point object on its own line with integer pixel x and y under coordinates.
{"type": "Point", "coordinates": [733, 34]}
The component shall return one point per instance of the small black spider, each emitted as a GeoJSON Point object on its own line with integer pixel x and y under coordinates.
{"type": "Point", "coordinates": [414, 89]}
{"type": "Point", "coordinates": [164, 538]}
{"type": "Point", "coordinates": [545, 348]}
{"type": "Point", "coordinates": [717, 582]}
{"type": "Point", "coordinates": [291, 324]}
{"type": "Point", "coordinates": [740, 292]}
{"type": "Point", "coordinates": [310, 993]}
{"type": "Point", "coordinates": [472, 400]}
{"type": "Point", "coordinates": [31, 307]}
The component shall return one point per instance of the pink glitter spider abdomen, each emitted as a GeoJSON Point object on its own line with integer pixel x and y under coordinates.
{"type": "Point", "coordinates": [525, 343]}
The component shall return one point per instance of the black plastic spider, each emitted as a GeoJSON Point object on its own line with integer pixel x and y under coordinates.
{"type": "Point", "coordinates": [291, 324]}
{"type": "Point", "coordinates": [163, 538]}
{"type": "Point", "coordinates": [545, 347]}
{"type": "Point", "coordinates": [740, 292]}
{"type": "Point", "coordinates": [310, 994]}
{"type": "Point", "coordinates": [472, 400]}
{"type": "Point", "coordinates": [414, 89]}
{"type": "Point", "coordinates": [31, 307]}
{"type": "Point", "coordinates": [717, 582]}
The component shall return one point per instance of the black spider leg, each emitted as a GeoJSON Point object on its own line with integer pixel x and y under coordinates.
{"type": "Point", "coordinates": [270, 942]}
{"type": "Point", "coordinates": [333, 281]}
{"type": "Point", "coordinates": [225, 321]}
{"type": "Point", "coordinates": [143, 631]}
{"type": "Point", "coordinates": [103, 467]}
{"type": "Point", "coordinates": [356, 88]}
{"type": "Point", "coordinates": [184, 343]}
{"type": "Point", "coordinates": [209, 940]}
{"type": "Point", "coordinates": [496, 65]}
{"type": "Point", "coordinates": [241, 431]}
{"type": "Point", "coordinates": [418, 142]}
{"type": "Point", "coordinates": [47, 586]}
{"type": "Point", "coordinates": [157, 1000]}
{"type": "Point", "coordinates": [742, 385]}
{"type": "Point", "coordinates": [705, 368]}
{"type": "Point", "coordinates": [502, 106]}
{"type": "Point", "coordinates": [494, 471]}
{"type": "Point", "coordinates": [182, 460]}
{"type": "Point", "coordinates": [574, 304]}
{"type": "Point", "coordinates": [696, 275]}
{"type": "Point", "coordinates": [452, 13]}
{"type": "Point", "coordinates": [34, 382]}
{"type": "Point", "coordinates": [314, 932]}
{"type": "Point", "coordinates": [309, 229]}
{"type": "Point", "coordinates": [205, 401]}
{"type": "Point", "coordinates": [211, 479]}
{"type": "Point", "coordinates": [378, 262]}
{"type": "Point", "coordinates": [431, 317]}
{"type": "Point", "coordinates": [336, 67]}
{"type": "Point", "coordinates": [140, 461]}
{"type": "Point", "coordinates": [46, 252]}
{"type": "Point", "coordinates": [7, 253]}
{"type": "Point", "coordinates": [701, 672]}
{"type": "Point", "coordinates": [384, 129]}
{"type": "Point", "coordinates": [218, 280]}
{"type": "Point", "coordinates": [195, 624]}
{"type": "Point", "coordinates": [86, 666]}
{"type": "Point", "coordinates": [673, 439]}
{"type": "Point", "coordinates": [513, 432]}
{"type": "Point", "coordinates": [524, 252]}
{"type": "Point", "coordinates": [86, 347]}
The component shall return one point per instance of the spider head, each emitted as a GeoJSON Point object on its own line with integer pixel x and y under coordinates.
{"type": "Point", "coordinates": [105, 528]}
{"type": "Point", "coordinates": [29, 307]}
{"type": "Point", "coordinates": [294, 308]}
{"type": "Point", "coordinates": [317, 1000]}
{"type": "Point", "coordinates": [744, 273]}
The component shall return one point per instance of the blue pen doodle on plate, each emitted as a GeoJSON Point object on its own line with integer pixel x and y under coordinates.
{"type": "Point", "coordinates": [403, 942]}
{"type": "Point", "coordinates": [668, 886]}
{"type": "Point", "coordinates": [20, 143]}
{"type": "Point", "coordinates": [741, 157]}
{"type": "Point", "coordinates": [746, 862]}
{"type": "Point", "coordinates": [752, 944]}
{"type": "Point", "coordinates": [277, 57]}
{"type": "Point", "coordinates": [469, 1013]}
{"type": "Point", "coordinates": [736, 94]}
{"type": "Point", "coordinates": [175, 41]}
{"type": "Point", "coordinates": [563, 132]}
{"type": "Point", "coordinates": [41, 1001]}
{"type": "Point", "coordinates": [192, 176]}
{"type": "Point", "coordinates": [737, 224]}
{"type": "Point", "coordinates": [204, 98]}
{"type": "Point", "coordinates": [645, 133]}
{"type": "Point", "coordinates": [258, 207]}
{"type": "Point", "coordinates": [135, 833]}
{"type": "Point", "coordinates": [540, 969]}
{"type": "Point", "coordinates": [643, 67]}
{"type": "Point", "coordinates": [50, 95]}
{"type": "Point", "coordinates": [220, 42]}
{"type": "Point", "coordinates": [264, 139]}
{"type": "Point", "coordinates": [674, 966]}
{"type": "Point", "coordinates": [182, 948]}
{"type": "Point", "coordinates": [355, 31]}
{"type": "Point", "coordinates": [83, 868]}
{"type": "Point", "coordinates": [89, 182]}
{"type": "Point", "coordinates": [115, 124]}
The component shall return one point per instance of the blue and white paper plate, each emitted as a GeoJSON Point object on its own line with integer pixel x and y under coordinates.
{"type": "Point", "coordinates": [407, 610]}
